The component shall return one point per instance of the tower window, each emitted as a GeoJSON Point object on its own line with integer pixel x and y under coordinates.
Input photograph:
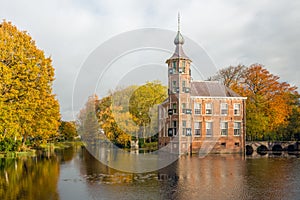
{"type": "Point", "coordinates": [183, 66]}
{"type": "Point", "coordinates": [183, 127]}
{"type": "Point", "coordinates": [174, 88]}
{"type": "Point", "coordinates": [174, 107]}
{"type": "Point", "coordinates": [174, 66]}
{"type": "Point", "coordinates": [183, 107]}
{"type": "Point", "coordinates": [174, 83]}
{"type": "Point", "coordinates": [183, 85]}
{"type": "Point", "coordinates": [174, 124]}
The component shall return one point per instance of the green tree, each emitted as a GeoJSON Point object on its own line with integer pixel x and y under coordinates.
{"type": "Point", "coordinates": [28, 109]}
{"type": "Point", "coordinates": [126, 111]}
{"type": "Point", "coordinates": [143, 106]}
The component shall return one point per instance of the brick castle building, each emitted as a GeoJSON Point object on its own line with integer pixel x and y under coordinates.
{"type": "Point", "coordinates": [199, 116]}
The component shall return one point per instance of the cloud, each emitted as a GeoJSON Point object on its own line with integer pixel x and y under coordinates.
{"type": "Point", "coordinates": [232, 32]}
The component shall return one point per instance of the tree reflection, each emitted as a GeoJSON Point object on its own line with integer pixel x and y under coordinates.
{"type": "Point", "coordinates": [29, 178]}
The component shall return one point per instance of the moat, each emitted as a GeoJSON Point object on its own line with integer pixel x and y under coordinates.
{"type": "Point", "coordinates": [74, 174]}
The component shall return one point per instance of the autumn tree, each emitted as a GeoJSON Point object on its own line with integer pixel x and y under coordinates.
{"type": "Point", "coordinates": [113, 122]}
{"type": "Point", "coordinates": [127, 111]}
{"type": "Point", "coordinates": [268, 100]}
{"type": "Point", "coordinates": [28, 108]}
{"type": "Point", "coordinates": [291, 130]}
{"type": "Point", "coordinates": [67, 130]}
{"type": "Point", "coordinates": [87, 122]}
{"type": "Point", "coordinates": [143, 106]}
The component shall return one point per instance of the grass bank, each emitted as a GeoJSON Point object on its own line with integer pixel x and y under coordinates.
{"type": "Point", "coordinates": [44, 147]}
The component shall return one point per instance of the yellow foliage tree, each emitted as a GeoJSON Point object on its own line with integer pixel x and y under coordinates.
{"type": "Point", "coordinates": [28, 109]}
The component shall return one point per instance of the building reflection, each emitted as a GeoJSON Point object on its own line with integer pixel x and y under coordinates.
{"type": "Point", "coordinates": [212, 177]}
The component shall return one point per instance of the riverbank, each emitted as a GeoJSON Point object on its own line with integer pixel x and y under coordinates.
{"type": "Point", "coordinates": [49, 147]}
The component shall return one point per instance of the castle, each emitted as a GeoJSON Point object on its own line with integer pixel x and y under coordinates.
{"type": "Point", "coordinates": [199, 116]}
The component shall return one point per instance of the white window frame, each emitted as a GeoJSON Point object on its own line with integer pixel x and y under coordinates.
{"type": "Point", "coordinates": [237, 129]}
{"type": "Point", "coordinates": [198, 126]}
{"type": "Point", "coordinates": [224, 107]}
{"type": "Point", "coordinates": [209, 128]}
{"type": "Point", "coordinates": [237, 109]}
{"type": "Point", "coordinates": [209, 106]}
{"type": "Point", "coordinates": [224, 126]}
{"type": "Point", "coordinates": [197, 108]}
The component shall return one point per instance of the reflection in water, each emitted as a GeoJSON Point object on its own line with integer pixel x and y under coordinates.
{"type": "Point", "coordinates": [75, 174]}
{"type": "Point", "coordinates": [29, 178]}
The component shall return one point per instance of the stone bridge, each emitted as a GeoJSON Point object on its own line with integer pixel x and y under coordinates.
{"type": "Point", "coordinates": [262, 147]}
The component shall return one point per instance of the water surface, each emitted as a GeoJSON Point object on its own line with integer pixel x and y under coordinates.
{"type": "Point", "coordinates": [75, 174]}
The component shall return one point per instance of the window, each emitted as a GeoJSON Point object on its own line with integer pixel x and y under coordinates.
{"type": "Point", "coordinates": [208, 108]}
{"type": "Point", "coordinates": [197, 128]}
{"type": "Point", "coordinates": [183, 66]}
{"type": "Point", "coordinates": [174, 106]}
{"type": "Point", "coordinates": [197, 108]}
{"type": "Point", "coordinates": [209, 131]}
{"type": "Point", "coordinates": [224, 108]}
{"type": "Point", "coordinates": [174, 124]}
{"type": "Point", "coordinates": [237, 109]}
{"type": "Point", "coordinates": [174, 66]}
{"type": "Point", "coordinates": [183, 85]}
{"type": "Point", "coordinates": [183, 106]}
{"type": "Point", "coordinates": [188, 132]}
{"type": "Point", "coordinates": [224, 128]}
{"type": "Point", "coordinates": [237, 128]}
{"type": "Point", "coordinates": [183, 127]}
{"type": "Point", "coordinates": [174, 87]}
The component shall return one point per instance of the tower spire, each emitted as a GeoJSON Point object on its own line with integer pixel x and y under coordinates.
{"type": "Point", "coordinates": [179, 41]}
{"type": "Point", "coordinates": [178, 21]}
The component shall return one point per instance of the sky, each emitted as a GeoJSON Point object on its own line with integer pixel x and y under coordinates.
{"type": "Point", "coordinates": [231, 32]}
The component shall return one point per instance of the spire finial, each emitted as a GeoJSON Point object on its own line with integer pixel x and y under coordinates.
{"type": "Point", "coordinates": [178, 39]}
{"type": "Point", "coordinates": [178, 21]}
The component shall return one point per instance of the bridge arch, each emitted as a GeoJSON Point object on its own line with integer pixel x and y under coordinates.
{"type": "Point", "coordinates": [262, 149]}
{"type": "Point", "coordinates": [249, 150]}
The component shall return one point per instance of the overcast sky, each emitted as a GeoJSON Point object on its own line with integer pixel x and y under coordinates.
{"type": "Point", "coordinates": [231, 32]}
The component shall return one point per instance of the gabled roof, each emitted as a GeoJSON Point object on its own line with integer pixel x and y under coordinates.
{"type": "Point", "coordinates": [211, 89]}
